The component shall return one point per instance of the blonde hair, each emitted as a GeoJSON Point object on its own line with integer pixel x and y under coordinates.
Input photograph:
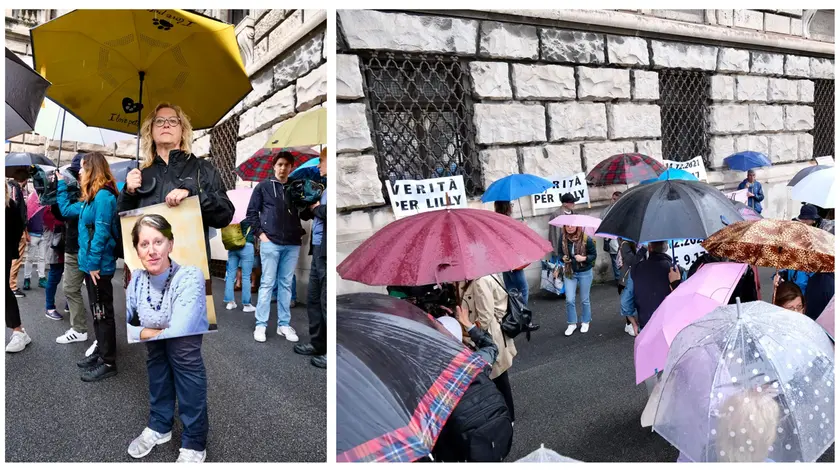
{"type": "Point", "coordinates": [147, 144]}
{"type": "Point", "coordinates": [754, 417]}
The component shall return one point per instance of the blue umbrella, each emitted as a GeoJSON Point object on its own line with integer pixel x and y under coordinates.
{"type": "Point", "coordinates": [512, 187]}
{"type": "Point", "coordinates": [307, 170]}
{"type": "Point", "coordinates": [672, 174]}
{"type": "Point", "coordinates": [747, 160]}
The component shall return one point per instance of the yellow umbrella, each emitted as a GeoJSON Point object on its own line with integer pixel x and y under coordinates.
{"type": "Point", "coordinates": [102, 63]}
{"type": "Point", "coordinates": [305, 129]}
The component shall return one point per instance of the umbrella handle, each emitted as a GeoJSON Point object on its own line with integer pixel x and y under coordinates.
{"type": "Point", "coordinates": [773, 300]}
{"type": "Point", "coordinates": [149, 190]}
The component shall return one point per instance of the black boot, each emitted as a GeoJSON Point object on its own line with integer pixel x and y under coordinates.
{"type": "Point", "coordinates": [100, 372]}
{"type": "Point", "coordinates": [306, 349]}
{"type": "Point", "coordinates": [89, 361]}
{"type": "Point", "coordinates": [319, 361]}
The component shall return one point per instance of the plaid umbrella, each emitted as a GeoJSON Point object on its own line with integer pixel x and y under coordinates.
{"type": "Point", "coordinates": [399, 375]}
{"type": "Point", "coordinates": [624, 169]}
{"type": "Point", "coordinates": [775, 243]}
{"type": "Point", "coordinates": [258, 167]}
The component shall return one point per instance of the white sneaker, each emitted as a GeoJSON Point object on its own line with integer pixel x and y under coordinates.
{"type": "Point", "coordinates": [71, 336]}
{"type": "Point", "coordinates": [248, 308]}
{"type": "Point", "coordinates": [571, 329]}
{"type": "Point", "coordinates": [259, 334]}
{"type": "Point", "coordinates": [91, 349]}
{"type": "Point", "coordinates": [18, 342]}
{"type": "Point", "coordinates": [629, 330]}
{"type": "Point", "coordinates": [584, 327]}
{"type": "Point", "coordinates": [188, 455]}
{"type": "Point", "coordinates": [230, 306]}
{"type": "Point", "coordinates": [288, 332]}
{"type": "Point", "coordinates": [148, 439]}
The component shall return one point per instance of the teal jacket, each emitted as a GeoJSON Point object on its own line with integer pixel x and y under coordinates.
{"type": "Point", "coordinates": [96, 240]}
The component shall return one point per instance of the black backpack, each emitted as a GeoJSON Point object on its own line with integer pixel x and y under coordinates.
{"type": "Point", "coordinates": [518, 317]}
{"type": "Point", "coordinates": [479, 428]}
{"type": "Point", "coordinates": [46, 186]}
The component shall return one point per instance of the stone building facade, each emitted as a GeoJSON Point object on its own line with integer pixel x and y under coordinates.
{"type": "Point", "coordinates": [553, 92]}
{"type": "Point", "coordinates": [284, 55]}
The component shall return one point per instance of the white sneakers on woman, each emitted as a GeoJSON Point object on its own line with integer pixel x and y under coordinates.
{"type": "Point", "coordinates": [584, 328]}
{"type": "Point", "coordinates": [18, 341]}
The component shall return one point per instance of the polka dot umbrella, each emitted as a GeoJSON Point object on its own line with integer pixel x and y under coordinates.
{"type": "Point", "coordinates": [748, 382]}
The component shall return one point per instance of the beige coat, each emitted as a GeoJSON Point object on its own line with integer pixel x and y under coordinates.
{"type": "Point", "coordinates": [486, 301]}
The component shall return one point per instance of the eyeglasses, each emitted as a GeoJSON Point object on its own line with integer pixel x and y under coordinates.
{"type": "Point", "coordinates": [172, 121]}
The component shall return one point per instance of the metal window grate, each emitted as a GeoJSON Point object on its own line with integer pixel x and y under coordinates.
{"type": "Point", "coordinates": [223, 150]}
{"type": "Point", "coordinates": [684, 111]}
{"type": "Point", "coordinates": [422, 118]}
{"type": "Point", "coordinates": [823, 118]}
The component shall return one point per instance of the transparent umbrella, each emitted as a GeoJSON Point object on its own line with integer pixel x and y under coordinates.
{"type": "Point", "coordinates": [748, 383]}
{"type": "Point", "coordinates": [543, 454]}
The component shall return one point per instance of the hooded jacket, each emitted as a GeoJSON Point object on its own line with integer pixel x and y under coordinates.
{"type": "Point", "coordinates": [270, 213]}
{"type": "Point", "coordinates": [71, 227]}
{"type": "Point", "coordinates": [95, 226]}
{"type": "Point", "coordinates": [184, 171]}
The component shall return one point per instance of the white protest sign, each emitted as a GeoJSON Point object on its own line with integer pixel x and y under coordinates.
{"type": "Point", "coordinates": [825, 161]}
{"type": "Point", "coordinates": [410, 197]}
{"type": "Point", "coordinates": [687, 251]}
{"type": "Point", "coordinates": [576, 185]}
{"type": "Point", "coordinates": [695, 167]}
{"type": "Point", "coordinates": [738, 196]}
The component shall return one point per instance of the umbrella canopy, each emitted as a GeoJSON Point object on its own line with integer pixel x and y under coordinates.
{"type": "Point", "coordinates": [748, 213]}
{"type": "Point", "coordinates": [588, 223]}
{"type": "Point", "coordinates": [307, 170]}
{"type": "Point", "coordinates": [515, 186]}
{"type": "Point", "coordinates": [672, 174]}
{"type": "Point", "coordinates": [543, 454]}
{"type": "Point", "coordinates": [25, 91]}
{"type": "Point", "coordinates": [747, 160]}
{"type": "Point", "coordinates": [826, 319]}
{"type": "Point", "coordinates": [399, 375]}
{"type": "Point", "coordinates": [748, 383]}
{"type": "Point", "coordinates": [55, 123]}
{"type": "Point", "coordinates": [710, 287]}
{"type": "Point", "coordinates": [805, 173]}
{"type": "Point", "coordinates": [443, 246]}
{"type": "Point", "coordinates": [623, 169]}
{"type": "Point", "coordinates": [33, 206]}
{"type": "Point", "coordinates": [305, 129]}
{"type": "Point", "coordinates": [26, 159]}
{"type": "Point", "coordinates": [775, 243]}
{"type": "Point", "coordinates": [104, 63]}
{"type": "Point", "coordinates": [240, 197]}
{"type": "Point", "coordinates": [817, 189]}
{"type": "Point", "coordinates": [258, 167]}
{"type": "Point", "coordinates": [669, 209]}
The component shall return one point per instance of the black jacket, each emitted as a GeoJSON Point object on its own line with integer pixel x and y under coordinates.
{"type": "Point", "coordinates": [270, 213]}
{"type": "Point", "coordinates": [818, 293]}
{"type": "Point", "coordinates": [71, 225]}
{"type": "Point", "coordinates": [319, 212]}
{"type": "Point", "coordinates": [183, 172]}
{"type": "Point", "coordinates": [651, 284]}
{"type": "Point", "coordinates": [15, 225]}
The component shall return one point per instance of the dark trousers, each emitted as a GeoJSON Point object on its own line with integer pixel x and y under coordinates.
{"type": "Point", "coordinates": [316, 300]}
{"type": "Point", "coordinates": [12, 309]}
{"type": "Point", "coordinates": [503, 384]}
{"type": "Point", "coordinates": [101, 297]}
{"type": "Point", "coordinates": [53, 279]}
{"type": "Point", "coordinates": [176, 370]}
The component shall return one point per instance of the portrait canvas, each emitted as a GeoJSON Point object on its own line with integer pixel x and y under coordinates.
{"type": "Point", "coordinates": [167, 299]}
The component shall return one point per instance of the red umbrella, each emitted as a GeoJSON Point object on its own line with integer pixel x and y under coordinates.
{"type": "Point", "coordinates": [443, 246]}
{"type": "Point", "coordinates": [623, 169]}
{"type": "Point", "coordinates": [258, 167]}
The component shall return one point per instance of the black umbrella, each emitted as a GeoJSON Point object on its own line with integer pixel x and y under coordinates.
{"type": "Point", "coordinates": [25, 91]}
{"type": "Point", "coordinates": [399, 375]}
{"type": "Point", "coordinates": [667, 210]}
{"type": "Point", "coordinates": [805, 173]}
{"type": "Point", "coordinates": [26, 159]}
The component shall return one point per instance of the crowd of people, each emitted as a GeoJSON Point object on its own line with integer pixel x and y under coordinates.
{"type": "Point", "coordinates": [79, 235]}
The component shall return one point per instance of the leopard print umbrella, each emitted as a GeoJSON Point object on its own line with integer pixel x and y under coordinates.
{"type": "Point", "coordinates": [775, 243]}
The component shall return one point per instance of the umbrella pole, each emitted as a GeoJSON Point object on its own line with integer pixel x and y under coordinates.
{"type": "Point", "coordinates": [773, 300]}
{"type": "Point", "coordinates": [61, 137]}
{"type": "Point", "coordinates": [139, 116]}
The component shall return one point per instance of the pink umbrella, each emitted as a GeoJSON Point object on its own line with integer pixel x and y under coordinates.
{"type": "Point", "coordinates": [826, 319]}
{"type": "Point", "coordinates": [710, 287]}
{"type": "Point", "coordinates": [240, 197]}
{"type": "Point", "coordinates": [33, 205]}
{"type": "Point", "coordinates": [588, 223]}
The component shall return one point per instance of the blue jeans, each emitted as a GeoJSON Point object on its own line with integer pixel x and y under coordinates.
{"type": "Point", "coordinates": [176, 370]}
{"type": "Point", "coordinates": [278, 265]}
{"type": "Point", "coordinates": [584, 279]}
{"type": "Point", "coordinates": [294, 289]}
{"type": "Point", "coordinates": [245, 258]}
{"type": "Point", "coordinates": [616, 271]}
{"type": "Point", "coordinates": [53, 279]}
{"type": "Point", "coordinates": [516, 279]}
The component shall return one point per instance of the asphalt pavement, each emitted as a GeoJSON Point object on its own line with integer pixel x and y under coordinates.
{"type": "Point", "coordinates": [265, 403]}
{"type": "Point", "coordinates": [577, 395]}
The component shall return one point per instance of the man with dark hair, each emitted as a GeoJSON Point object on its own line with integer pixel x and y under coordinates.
{"type": "Point", "coordinates": [277, 225]}
{"type": "Point", "coordinates": [648, 283]}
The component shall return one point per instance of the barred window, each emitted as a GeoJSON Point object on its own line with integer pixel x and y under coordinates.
{"type": "Point", "coordinates": [223, 150]}
{"type": "Point", "coordinates": [422, 118]}
{"type": "Point", "coordinates": [684, 111]}
{"type": "Point", "coordinates": [823, 117]}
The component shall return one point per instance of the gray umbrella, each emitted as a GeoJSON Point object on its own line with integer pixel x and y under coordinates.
{"type": "Point", "coordinates": [26, 159]}
{"type": "Point", "coordinates": [805, 173]}
{"type": "Point", "coordinates": [25, 91]}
